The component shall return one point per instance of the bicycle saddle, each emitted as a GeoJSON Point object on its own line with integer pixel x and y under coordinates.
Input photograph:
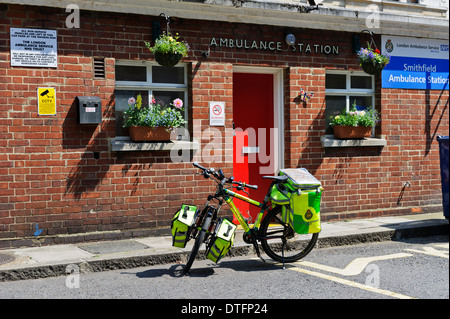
{"type": "Point", "coordinates": [281, 178]}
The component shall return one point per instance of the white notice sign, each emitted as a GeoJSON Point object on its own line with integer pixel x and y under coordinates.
{"type": "Point", "coordinates": [34, 48]}
{"type": "Point", "coordinates": [217, 113]}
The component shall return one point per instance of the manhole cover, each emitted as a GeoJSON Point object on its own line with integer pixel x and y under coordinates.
{"type": "Point", "coordinates": [4, 258]}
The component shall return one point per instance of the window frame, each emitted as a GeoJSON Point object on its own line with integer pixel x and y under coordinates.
{"type": "Point", "coordinates": [151, 87]}
{"type": "Point", "coordinates": [348, 91]}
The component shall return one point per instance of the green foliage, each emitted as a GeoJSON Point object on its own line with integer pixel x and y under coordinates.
{"type": "Point", "coordinates": [167, 43]}
{"type": "Point", "coordinates": [153, 115]}
{"type": "Point", "coordinates": [366, 118]}
{"type": "Point", "coordinates": [372, 57]}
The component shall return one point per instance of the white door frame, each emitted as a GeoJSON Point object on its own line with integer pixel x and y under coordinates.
{"type": "Point", "coordinates": [278, 107]}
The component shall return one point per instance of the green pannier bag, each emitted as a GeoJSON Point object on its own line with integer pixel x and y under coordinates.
{"type": "Point", "coordinates": [221, 240]}
{"type": "Point", "coordinates": [182, 224]}
{"type": "Point", "coordinates": [302, 211]}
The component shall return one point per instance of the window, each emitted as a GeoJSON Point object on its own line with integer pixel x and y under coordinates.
{"type": "Point", "coordinates": [344, 89]}
{"type": "Point", "coordinates": [148, 79]}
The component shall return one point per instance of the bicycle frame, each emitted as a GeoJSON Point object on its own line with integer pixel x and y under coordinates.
{"type": "Point", "coordinates": [228, 195]}
{"type": "Point", "coordinates": [236, 212]}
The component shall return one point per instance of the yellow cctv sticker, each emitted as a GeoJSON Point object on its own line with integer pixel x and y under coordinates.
{"type": "Point", "coordinates": [46, 101]}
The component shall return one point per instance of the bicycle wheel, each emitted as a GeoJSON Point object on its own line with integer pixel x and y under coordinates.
{"type": "Point", "coordinates": [275, 233]}
{"type": "Point", "coordinates": [198, 241]}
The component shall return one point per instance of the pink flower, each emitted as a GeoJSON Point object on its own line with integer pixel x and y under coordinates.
{"type": "Point", "coordinates": [178, 103]}
{"type": "Point", "coordinates": [131, 101]}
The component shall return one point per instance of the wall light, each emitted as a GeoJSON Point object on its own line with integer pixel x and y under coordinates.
{"type": "Point", "coordinates": [290, 39]}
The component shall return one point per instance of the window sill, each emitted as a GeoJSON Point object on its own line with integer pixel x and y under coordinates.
{"type": "Point", "coordinates": [124, 144]}
{"type": "Point", "coordinates": [331, 141]}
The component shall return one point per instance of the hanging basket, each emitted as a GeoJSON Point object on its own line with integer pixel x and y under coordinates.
{"type": "Point", "coordinates": [350, 132]}
{"type": "Point", "coordinates": [149, 134]}
{"type": "Point", "coordinates": [167, 59]}
{"type": "Point", "coordinates": [372, 68]}
{"type": "Point", "coordinates": [371, 59]}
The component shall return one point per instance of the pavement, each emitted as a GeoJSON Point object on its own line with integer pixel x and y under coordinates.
{"type": "Point", "coordinates": [59, 260]}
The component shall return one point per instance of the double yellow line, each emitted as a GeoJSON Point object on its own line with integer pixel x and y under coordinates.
{"type": "Point", "coordinates": [349, 283]}
{"type": "Point", "coordinates": [343, 281]}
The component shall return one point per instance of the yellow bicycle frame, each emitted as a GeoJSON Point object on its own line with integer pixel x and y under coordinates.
{"type": "Point", "coordinates": [237, 213]}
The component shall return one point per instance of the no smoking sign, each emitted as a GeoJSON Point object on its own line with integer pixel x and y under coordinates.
{"type": "Point", "coordinates": [216, 113]}
{"type": "Point", "coordinates": [217, 109]}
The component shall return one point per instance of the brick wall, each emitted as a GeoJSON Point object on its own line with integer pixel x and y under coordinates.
{"type": "Point", "coordinates": [63, 178]}
{"type": "Point", "coordinates": [370, 181]}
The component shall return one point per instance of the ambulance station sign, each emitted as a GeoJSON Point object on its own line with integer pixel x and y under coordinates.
{"type": "Point", "coordinates": [416, 63]}
{"type": "Point", "coordinates": [34, 48]}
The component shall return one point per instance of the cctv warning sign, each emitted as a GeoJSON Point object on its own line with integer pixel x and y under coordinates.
{"type": "Point", "coordinates": [46, 101]}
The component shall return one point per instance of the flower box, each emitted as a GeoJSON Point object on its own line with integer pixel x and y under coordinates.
{"type": "Point", "coordinates": [350, 132]}
{"type": "Point", "coordinates": [354, 124]}
{"type": "Point", "coordinates": [149, 134]}
{"type": "Point", "coordinates": [152, 122]}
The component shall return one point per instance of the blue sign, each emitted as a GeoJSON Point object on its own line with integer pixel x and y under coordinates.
{"type": "Point", "coordinates": [415, 73]}
{"type": "Point", "coordinates": [416, 63]}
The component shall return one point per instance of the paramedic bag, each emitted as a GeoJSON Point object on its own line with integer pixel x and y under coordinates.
{"type": "Point", "coordinates": [182, 225]}
{"type": "Point", "coordinates": [221, 241]}
{"type": "Point", "coordinates": [299, 198]}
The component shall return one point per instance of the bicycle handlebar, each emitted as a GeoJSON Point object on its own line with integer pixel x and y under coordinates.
{"type": "Point", "coordinates": [221, 178]}
{"type": "Point", "coordinates": [241, 184]}
{"type": "Point", "coordinates": [199, 166]}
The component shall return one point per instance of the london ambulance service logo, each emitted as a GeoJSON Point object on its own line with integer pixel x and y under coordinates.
{"type": "Point", "coordinates": [308, 214]}
{"type": "Point", "coordinates": [389, 46]}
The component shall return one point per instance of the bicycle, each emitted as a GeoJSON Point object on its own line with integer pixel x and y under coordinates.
{"type": "Point", "coordinates": [278, 239]}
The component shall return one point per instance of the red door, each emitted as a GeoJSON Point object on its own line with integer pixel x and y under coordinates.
{"type": "Point", "coordinates": [253, 116]}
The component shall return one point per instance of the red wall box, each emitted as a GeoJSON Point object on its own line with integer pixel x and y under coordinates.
{"type": "Point", "coordinates": [65, 178]}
